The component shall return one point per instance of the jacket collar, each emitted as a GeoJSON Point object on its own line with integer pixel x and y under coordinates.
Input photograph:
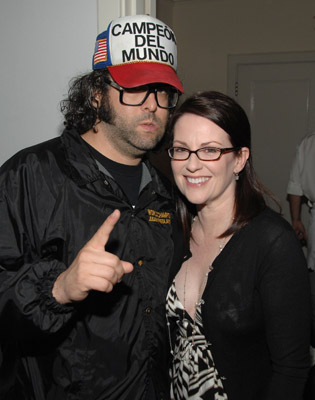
{"type": "Point", "coordinates": [83, 168]}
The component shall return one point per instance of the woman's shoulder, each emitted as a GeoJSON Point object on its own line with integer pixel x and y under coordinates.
{"type": "Point", "coordinates": [268, 226]}
{"type": "Point", "coordinates": [270, 219]}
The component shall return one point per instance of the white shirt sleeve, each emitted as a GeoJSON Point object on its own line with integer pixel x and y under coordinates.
{"type": "Point", "coordinates": [294, 184]}
{"type": "Point", "coordinates": [302, 174]}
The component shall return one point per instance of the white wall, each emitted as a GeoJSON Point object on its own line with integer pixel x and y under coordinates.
{"type": "Point", "coordinates": [43, 45]}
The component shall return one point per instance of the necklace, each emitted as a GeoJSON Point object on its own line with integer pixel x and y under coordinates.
{"type": "Point", "coordinates": [200, 300]}
{"type": "Point", "coordinates": [202, 287]}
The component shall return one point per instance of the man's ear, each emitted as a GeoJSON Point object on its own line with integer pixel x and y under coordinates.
{"type": "Point", "coordinates": [96, 99]}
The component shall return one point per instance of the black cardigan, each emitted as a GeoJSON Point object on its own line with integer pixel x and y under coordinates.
{"type": "Point", "coordinates": [257, 311]}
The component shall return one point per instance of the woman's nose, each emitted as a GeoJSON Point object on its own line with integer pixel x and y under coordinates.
{"type": "Point", "coordinates": [193, 163]}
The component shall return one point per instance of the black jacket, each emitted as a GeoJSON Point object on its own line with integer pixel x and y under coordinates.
{"type": "Point", "coordinates": [256, 313]}
{"type": "Point", "coordinates": [53, 197]}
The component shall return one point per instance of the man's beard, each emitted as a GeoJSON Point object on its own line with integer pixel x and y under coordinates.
{"type": "Point", "coordinates": [105, 112]}
{"type": "Point", "coordinates": [123, 133]}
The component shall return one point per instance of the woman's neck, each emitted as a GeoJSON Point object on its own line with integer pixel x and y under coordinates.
{"type": "Point", "coordinates": [213, 221]}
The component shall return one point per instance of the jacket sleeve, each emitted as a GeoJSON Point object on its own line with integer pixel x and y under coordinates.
{"type": "Point", "coordinates": [28, 265]}
{"type": "Point", "coordinates": [285, 295]}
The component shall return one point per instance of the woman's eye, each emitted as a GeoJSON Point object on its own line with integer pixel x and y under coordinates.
{"type": "Point", "coordinates": [209, 150]}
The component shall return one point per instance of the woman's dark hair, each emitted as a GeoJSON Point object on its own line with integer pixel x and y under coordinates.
{"type": "Point", "coordinates": [228, 115]}
{"type": "Point", "coordinates": [79, 109]}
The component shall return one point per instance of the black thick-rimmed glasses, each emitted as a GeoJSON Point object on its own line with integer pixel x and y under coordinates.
{"type": "Point", "coordinates": [204, 154]}
{"type": "Point", "coordinates": [165, 96]}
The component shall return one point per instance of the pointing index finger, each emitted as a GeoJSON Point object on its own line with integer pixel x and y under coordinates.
{"type": "Point", "coordinates": [100, 238]}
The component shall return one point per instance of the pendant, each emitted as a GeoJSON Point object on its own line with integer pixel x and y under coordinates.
{"type": "Point", "coordinates": [200, 302]}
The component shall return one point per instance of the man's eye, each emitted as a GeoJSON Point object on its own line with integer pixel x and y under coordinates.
{"type": "Point", "coordinates": [164, 89]}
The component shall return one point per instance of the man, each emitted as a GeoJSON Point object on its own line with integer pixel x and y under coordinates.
{"type": "Point", "coordinates": [301, 186]}
{"type": "Point", "coordinates": [82, 300]}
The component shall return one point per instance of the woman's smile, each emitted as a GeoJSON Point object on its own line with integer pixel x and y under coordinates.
{"type": "Point", "coordinates": [197, 180]}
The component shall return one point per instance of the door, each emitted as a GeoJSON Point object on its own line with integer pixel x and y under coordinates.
{"type": "Point", "coordinates": [278, 93]}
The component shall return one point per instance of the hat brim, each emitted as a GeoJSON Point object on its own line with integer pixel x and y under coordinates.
{"type": "Point", "coordinates": [139, 73]}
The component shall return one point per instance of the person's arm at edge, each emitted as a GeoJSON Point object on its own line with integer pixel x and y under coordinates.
{"type": "Point", "coordinates": [295, 202]}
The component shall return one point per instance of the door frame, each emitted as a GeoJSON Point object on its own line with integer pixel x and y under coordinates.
{"type": "Point", "coordinates": [236, 60]}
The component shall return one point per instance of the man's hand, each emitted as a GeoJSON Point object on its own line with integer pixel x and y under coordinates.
{"type": "Point", "coordinates": [299, 230]}
{"type": "Point", "coordinates": [295, 202]}
{"type": "Point", "coordinates": [93, 268]}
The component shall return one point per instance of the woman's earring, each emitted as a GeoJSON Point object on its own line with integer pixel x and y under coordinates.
{"type": "Point", "coordinates": [237, 177]}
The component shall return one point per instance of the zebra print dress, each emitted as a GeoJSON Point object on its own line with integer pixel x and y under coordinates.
{"type": "Point", "coordinates": [193, 373]}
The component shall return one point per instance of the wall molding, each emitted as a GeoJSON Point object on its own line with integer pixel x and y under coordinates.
{"type": "Point", "coordinates": [108, 10]}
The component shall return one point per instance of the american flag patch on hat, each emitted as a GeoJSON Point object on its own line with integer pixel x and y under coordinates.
{"type": "Point", "coordinates": [100, 54]}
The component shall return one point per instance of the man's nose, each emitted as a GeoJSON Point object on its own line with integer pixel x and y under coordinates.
{"type": "Point", "coordinates": [150, 103]}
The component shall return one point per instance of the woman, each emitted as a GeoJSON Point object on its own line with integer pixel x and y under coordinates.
{"type": "Point", "coordinates": [238, 310]}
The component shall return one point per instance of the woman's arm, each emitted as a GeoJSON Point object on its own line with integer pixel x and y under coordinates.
{"type": "Point", "coordinates": [285, 293]}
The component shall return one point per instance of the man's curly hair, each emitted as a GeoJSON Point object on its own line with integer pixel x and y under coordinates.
{"type": "Point", "coordinates": [79, 109]}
